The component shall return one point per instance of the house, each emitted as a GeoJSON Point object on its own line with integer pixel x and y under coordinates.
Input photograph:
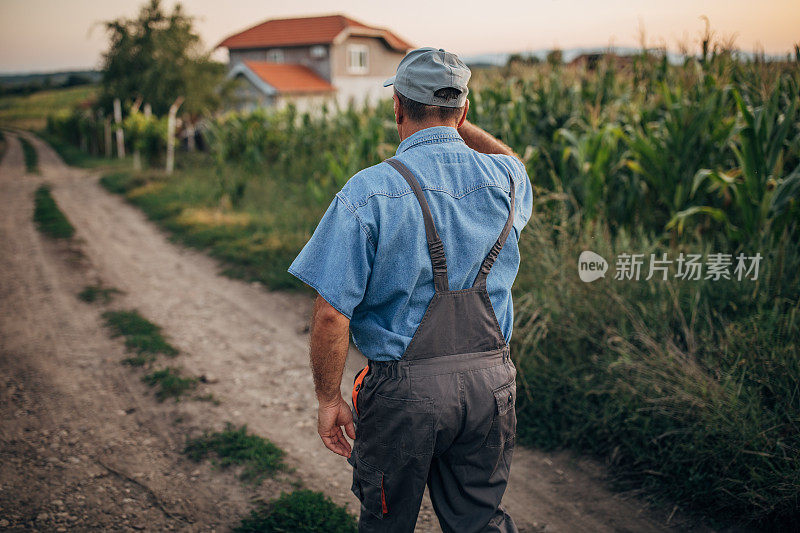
{"type": "Point", "coordinates": [311, 60]}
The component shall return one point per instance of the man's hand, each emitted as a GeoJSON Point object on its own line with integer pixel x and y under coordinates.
{"type": "Point", "coordinates": [481, 141]}
{"type": "Point", "coordinates": [330, 419]}
{"type": "Point", "coordinates": [329, 344]}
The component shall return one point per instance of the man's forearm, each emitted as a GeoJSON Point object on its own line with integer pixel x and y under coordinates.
{"type": "Point", "coordinates": [329, 345]}
{"type": "Point", "coordinates": [481, 141]}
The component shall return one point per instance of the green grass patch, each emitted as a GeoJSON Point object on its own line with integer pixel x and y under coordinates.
{"type": "Point", "coordinates": [255, 243]}
{"type": "Point", "coordinates": [170, 383]}
{"type": "Point", "coordinates": [259, 457]}
{"type": "Point", "coordinates": [98, 293]}
{"type": "Point", "coordinates": [48, 217]}
{"type": "Point", "coordinates": [31, 111]}
{"type": "Point", "coordinates": [75, 157]}
{"type": "Point", "coordinates": [688, 389]}
{"type": "Point", "coordinates": [31, 156]}
{"type": "Point", "coordinates": [141, 336]}
{"type": "Point", "coordinates": [301, 510]}
{"type": "Point", "coordinates": [121, 182]}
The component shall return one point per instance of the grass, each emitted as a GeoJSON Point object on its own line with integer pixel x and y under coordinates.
{"type": "Point", "coordinates": [48, 217]}
{"type": "Point", "coordinates": [170, 383]}
{"type": "Point", "coordinates": [74, 156]}
{"type": "Point", "coordinates": [258, 456]}
{"type": "Point", "coordinates": [301, 510]}
{"type": "Point", "coordinates": [688, 390]}
{"type": "Point", "coordinates": [145, 339]}
{"type": "Point", "coordinates": [31, 156]}
{"type": "Point", "coordinates": [98, 293]}
{"type": "Point", "coordinates": [141, 336]}
{"type": "Point", "coordinates": [31, 111]}
{"type": "Point", "coordinates": [256, 242]}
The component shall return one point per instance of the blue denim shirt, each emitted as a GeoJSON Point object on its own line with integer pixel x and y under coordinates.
{"type": "Point", "coordinates": [369, 259]}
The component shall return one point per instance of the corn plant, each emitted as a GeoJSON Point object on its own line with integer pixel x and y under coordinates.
{"type": "Point", "coordinates": [759, 193]}
{"type": "Point", "coordinates": [687, 135]}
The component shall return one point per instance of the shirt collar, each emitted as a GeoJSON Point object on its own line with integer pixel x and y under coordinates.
{"type": "Point", "coordinates": [436, 134]}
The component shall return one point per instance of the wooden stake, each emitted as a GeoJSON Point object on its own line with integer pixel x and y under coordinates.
{"type": "Point", "coordinates": [173, 110]}
{"type": "Point", "coordinates": [107, 136]}
{"type": "Point", "coordinates": [120, 135]}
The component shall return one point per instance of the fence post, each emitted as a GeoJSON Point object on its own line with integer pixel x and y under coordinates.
{"type": "Point", "coordinates": [191, 144]}
{"type": "Point", "coordinates": [137, 156]}
{"type": "Point", "coordinates": [173, 110]}
{"type": "Point", "coordinates": [107, 135]}
{"type": "Point", "coordinates": [120, 135]}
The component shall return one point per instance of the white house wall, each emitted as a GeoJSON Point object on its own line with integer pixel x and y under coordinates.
{"type": "Point", "coordinates": [311, 103]}
{"type": "Point", "coordinates": [360, 90]}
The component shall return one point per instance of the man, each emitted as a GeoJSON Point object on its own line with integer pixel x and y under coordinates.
{"type": "Point", "coordinates": [413, 258]}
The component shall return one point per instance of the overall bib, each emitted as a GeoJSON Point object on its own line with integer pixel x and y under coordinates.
{"type": "Point", "coordinates": [443, 415]}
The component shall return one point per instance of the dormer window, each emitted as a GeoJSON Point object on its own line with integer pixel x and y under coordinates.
{"type": "Point", "coordinates": [275, 55]}
{"type": "Point", "coordinates": [357, 59]}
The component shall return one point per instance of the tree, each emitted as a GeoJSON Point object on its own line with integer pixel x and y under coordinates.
{"type": "Point", "coordinates": [156, 58]}
{"type": "Point", "coordinates": [555, 57]}
{"type": "Point", "coordinates": [522, 59]}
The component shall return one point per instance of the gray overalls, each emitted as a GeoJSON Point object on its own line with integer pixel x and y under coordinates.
{"type": "Point", "coordinates": [443, 415]}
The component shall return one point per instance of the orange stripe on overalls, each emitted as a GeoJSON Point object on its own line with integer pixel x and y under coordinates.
{"type": "Point", "coordinates": [357, 385]}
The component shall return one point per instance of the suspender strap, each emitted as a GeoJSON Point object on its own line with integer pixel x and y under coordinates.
{"type": "Point", "coordinates": [486, 267]}
{"type": "Point", "coordinates": [435, 246]}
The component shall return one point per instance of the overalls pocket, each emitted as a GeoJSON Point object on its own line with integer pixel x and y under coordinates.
{"type": "Point", "coordinates": [504, 423]}
{"type": "Point", "coordinates": [368, 487]}
{"type": "Point", "coordinates": [358, 383]}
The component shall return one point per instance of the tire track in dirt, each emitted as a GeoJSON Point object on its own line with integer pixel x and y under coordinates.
{"type": "Point", "coordinates": [82, 443]}
{"type": "Point", "coordinates": [252, 343]}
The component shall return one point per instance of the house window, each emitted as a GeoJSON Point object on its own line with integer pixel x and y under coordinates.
{"type": "Point", "coordinates": [318, 51]}
{"type": "Point", "coordinates": [275, 56]}
{"type": "Point", "coordinates": [357, 59]}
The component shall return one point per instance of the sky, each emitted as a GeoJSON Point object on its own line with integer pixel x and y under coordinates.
{"type": "Point", "coordinates": [47, 35]}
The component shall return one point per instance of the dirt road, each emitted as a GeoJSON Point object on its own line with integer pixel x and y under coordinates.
{"type": "Point", "coordinates": [85, 444]}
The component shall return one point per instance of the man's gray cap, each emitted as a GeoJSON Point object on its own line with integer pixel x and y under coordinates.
{"type": "Point", "coordinates": [426, 70]}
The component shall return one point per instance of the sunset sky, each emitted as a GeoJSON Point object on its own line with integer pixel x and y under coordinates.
{"type": "Point", "coordinates": [42, 35]}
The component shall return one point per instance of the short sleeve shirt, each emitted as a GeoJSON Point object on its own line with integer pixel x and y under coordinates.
{"type": "Point", "coordinates": [368, 257]}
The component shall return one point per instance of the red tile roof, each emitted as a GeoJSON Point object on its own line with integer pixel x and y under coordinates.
{"type": "Point", "coordinates": [307, 31]}
{"type": "Point", "coordinates": [289, 77]}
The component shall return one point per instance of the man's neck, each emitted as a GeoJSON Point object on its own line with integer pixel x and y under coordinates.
{"type": "Point", "coordinates": [409, 129]}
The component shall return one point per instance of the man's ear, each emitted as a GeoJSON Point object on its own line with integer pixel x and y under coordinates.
{"type": "Point", "coordinates": [398, 111]}
{"type": "Point", "coordinates": [463, 115]}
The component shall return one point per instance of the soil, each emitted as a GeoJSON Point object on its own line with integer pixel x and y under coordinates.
{"type": "Point", "coordinates": [85, 445]}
